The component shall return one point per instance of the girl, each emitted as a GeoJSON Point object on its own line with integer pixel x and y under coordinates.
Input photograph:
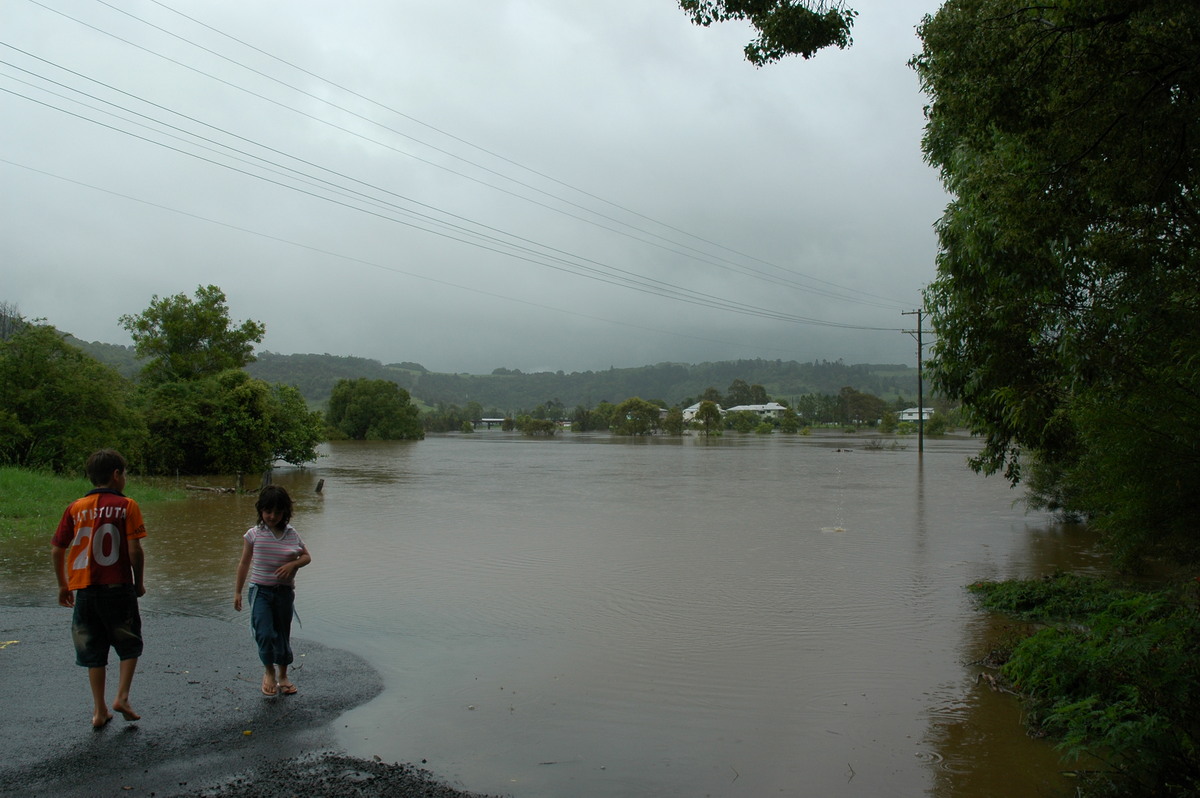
{"type": "Point", "coordinates": [271, 555]}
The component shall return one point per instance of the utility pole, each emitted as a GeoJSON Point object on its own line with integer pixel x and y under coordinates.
{"type": "Point", "coordinates": [917, 333]}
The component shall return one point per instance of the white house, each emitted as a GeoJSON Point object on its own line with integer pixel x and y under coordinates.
{"type": "Point", "coordinates": [913, 414]}
{"type": "Point", "coordinates": [769, 410]}
{"type": "Point", "coordinates": [689, 414]}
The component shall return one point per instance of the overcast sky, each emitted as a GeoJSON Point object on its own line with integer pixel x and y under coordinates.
{"type": "Point", "coordinates": [533, 184]}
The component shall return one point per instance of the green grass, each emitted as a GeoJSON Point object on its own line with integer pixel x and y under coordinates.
{"type": "Point", "coordinates": [34, 501]}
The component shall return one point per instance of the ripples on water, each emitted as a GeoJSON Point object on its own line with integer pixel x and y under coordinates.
{"type": "Point", "coordinates": [674, 617]}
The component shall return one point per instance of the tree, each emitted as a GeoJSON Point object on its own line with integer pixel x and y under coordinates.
{"type": "Point", "coordinates": [709, 416]}
{"type": "Point", "coordinates": [785, 27]}
{"type": "Point", "coordinates": [635, 417]}
{"type": "Point", "coordinates": [186, 339]}
{"type": "Point", "coordinates": [742, 420]}
{"type": "Point", "coordinates": [673, 423]}
{"type": "Point", "coordinates": [740, 393]}
{"type": "Point", "coordinates": [58, 405]}
{"type": "Point", "coordinates": [1066, 302]}
{"type": "Point", "coordinates": [365, 409]}
{"type": "Point", "coordinates": [858, 408]}
{"type": "Point", "coordinates": [295, 430]}
{"type": "Point", "coordinates": [603, 415]}
{"type": "Point", "coordinates": [227, 423]}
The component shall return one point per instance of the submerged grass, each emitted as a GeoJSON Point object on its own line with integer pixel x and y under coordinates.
{"type": "Point", "coordinates": [34, 501]}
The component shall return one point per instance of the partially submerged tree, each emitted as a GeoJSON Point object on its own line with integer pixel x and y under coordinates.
{"type": "Point", "coordinates": [708, 415]}
{"type": "Point", "coordinates": [204, 413]}
{"type": "Point", "coordinates": [635, 416]}
{"type": "Point", "coordinates": [365, 409]}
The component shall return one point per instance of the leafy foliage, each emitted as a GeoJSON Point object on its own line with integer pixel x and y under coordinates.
{"type": "Point", "coordinates": [708, 415]}
{"type": "Point", "coordinates": [365, 409]}
{"type": "Point", "coordinates": [1066, 305]}
{"type": "Point", "coordinates": [785, 27]}
{"type": "Point", "coordinates": [59, 405]}
{"type": "Point", "coordinates": [227, 423]}
{"type": "Point", "coordinates": [185, 339]}
{"type": "Point", "coordinates": [635, 416]}
{"type": "Point", "coordinates": [1114, 675]}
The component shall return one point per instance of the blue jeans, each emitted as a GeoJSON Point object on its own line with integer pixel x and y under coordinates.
{"type": "Point", "coordinates": [271, 608]}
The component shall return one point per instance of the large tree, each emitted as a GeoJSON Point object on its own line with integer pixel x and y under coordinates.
{"type": "Point", "coordinates": [204, 413]}
{"type": "Point", "coordinates": [186, 339]}
{"type": "Point", "coordinates": [1067, 305]}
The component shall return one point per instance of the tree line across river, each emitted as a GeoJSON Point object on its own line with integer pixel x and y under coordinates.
{"type": "Point", "coordinates": [191, 397]}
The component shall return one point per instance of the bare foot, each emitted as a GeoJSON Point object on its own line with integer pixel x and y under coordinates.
{"type": "Point", "coordinates": [125, 710]}
{"type": "Point", "coordinates": [287, 688]}
{"type": "Point", "coordinates": [100, 721]}
{"type": "Point", "coordinates": [269, 687]}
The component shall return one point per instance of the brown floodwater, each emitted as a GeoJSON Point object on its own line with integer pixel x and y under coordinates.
{"type": "Point", "coordinates": [596, 616]}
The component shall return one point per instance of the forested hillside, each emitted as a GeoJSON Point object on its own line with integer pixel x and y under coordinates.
{"type": "Point", "coordinates": [510, 390]}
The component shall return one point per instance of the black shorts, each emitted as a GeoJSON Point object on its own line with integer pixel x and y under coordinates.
{"type": "Point", "coordinates": [106, 616]}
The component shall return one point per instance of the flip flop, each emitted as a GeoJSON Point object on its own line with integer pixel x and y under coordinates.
{"type": "Point", "coordinates": [288, 689]}
{"type": "Point", "coordinates": [274, 691]}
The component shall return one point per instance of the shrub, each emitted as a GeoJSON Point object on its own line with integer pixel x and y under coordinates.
{"type": "Point", "coordinates": [1113, 673]}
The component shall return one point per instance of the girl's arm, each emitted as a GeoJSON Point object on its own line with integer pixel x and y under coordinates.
{"type": "Point", "coordinates": [289, 569]}
{"type": "Point", "coordinates": [243, 570]}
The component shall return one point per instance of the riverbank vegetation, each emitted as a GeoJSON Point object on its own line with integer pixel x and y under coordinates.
{"type": "Point", "coordinates": [34, 500]}
{"type": "Point", "coordinates": [194, 409]}
{"type": "Point", "coordinates": [1113, 672]}
{"type": "Point", "coordinates": [1067, 313]}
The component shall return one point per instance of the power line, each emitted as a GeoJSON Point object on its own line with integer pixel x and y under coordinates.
{"type": "Point", "coordinates": [534, 252]}
{"type": "Point", "coordinates": [856, 296]}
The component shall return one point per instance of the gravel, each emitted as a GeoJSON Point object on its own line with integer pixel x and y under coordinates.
{"type": "Point", "coordinates": [206, 729]}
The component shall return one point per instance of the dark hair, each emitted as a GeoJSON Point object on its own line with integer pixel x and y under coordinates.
{"type": "Point", "coordinates": [274, 497]}
{"type": "Point", "coordinates": [101, 465]}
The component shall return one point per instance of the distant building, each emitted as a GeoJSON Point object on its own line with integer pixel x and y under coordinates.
{"type": "Point", "coordinates": [689, 414]}
{"type": "Point", "coordinates": [769, 410]}
{"type": "Point", "coordinates": [913, 414]}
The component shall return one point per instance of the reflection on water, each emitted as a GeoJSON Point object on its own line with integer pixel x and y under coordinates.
{"type": "Point", "coordinates": [596, 616]}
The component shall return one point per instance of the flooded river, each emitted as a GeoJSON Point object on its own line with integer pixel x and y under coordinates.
{"type": "Point", "coordinates": [592, 616]}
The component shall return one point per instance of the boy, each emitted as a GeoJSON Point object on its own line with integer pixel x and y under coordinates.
{"type": "Point", "coordinates": [97, 552]}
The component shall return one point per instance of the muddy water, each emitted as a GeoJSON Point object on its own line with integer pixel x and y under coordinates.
{"type": "Point", "coordinates": [593, 616]}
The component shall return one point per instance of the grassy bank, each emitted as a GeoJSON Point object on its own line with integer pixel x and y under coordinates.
{"type": "Point", "coordinates": [34, 501]}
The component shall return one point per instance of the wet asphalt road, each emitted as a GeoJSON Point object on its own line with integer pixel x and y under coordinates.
{"type": "Point", "coordinates": [206, 729]}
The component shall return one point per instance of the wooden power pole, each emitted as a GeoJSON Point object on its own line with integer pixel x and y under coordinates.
{"type": "Point", "coordinates": [917, 333]}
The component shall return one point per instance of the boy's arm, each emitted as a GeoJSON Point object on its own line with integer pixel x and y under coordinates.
{"type": "Point", "coordinates": [59, 557]}
{"type": "Point", "coordinates": [243, 570]}
{"type": "Point", "coordinates": [137, 558]}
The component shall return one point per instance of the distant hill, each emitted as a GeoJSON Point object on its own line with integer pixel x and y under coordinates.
{"type": "Point", "coordinates": [510, 391]}
{"type": "Point", "coordinates": [121, 358]}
